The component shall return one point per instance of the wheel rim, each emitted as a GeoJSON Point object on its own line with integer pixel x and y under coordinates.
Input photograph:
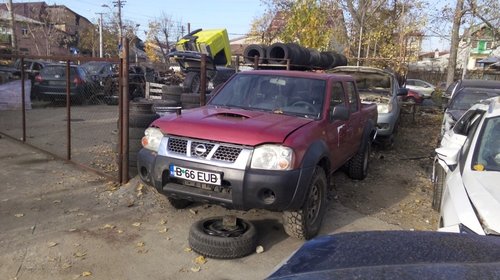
{"type": "Point", "coordinates": [216, 228]}
{"type": "Point", "coordinates": [313, 203]}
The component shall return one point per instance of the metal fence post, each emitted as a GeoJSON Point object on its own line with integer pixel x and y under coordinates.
{"type": "Point", "coordinates": [124, 79]}
{"type": "Point", "coordinates": [68, 111]}
{"type": "Point", "coordinates": [23, 106]}
{"type": "Point", "coordinates": [203, 80]}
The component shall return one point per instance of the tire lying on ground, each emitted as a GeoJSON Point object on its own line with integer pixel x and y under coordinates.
{"type": "Point", "coordinates": [209, 237]}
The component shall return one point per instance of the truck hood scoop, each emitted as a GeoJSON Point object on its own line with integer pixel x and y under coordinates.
{"type": "Point", "coordinates": [231, 115]}
{"type": "Point", "coordinates": [231, 126]}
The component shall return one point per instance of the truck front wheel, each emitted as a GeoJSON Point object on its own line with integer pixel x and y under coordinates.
{"type": "Point", "coordinates": [306, 222]}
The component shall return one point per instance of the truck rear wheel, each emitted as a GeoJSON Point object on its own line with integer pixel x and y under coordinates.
{"type": "Point", "coordinates": [306, 222]}
{"type": "Point", "coordinates": [358, 165]}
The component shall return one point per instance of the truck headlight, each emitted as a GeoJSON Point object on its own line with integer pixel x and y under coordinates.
{"type": "Point", "coordinates": [152, 138]}
{"type": "Point", "coordinates": [384, 108]}
{"type": "Point", "coordinates": [272, 157]}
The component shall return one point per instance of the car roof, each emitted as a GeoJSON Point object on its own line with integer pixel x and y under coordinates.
{"type": "Point", "coordinates": [491, 106]}
{"type": "Point", "coordinates": [298, 74]}
{"type": "Point", "coordinates": [480, 83]}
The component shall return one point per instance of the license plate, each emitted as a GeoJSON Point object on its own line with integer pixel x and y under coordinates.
{"type": "Point", "coordinates": [195, 175]}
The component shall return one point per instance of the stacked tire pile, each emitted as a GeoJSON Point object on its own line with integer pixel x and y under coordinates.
{"type": "Point", "coordinates": [141, 115]}
{"type": "Point", "coordinates": [301, 58]}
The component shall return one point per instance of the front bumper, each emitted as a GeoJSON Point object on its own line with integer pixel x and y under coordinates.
{"type": "Point", "coordinates": [241, 189]}
{"type": "Point", "coordinates": [386, 123]}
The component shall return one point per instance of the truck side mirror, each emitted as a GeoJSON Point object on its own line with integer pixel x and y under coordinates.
{"type": "Point", "coordinates": [339, 112]}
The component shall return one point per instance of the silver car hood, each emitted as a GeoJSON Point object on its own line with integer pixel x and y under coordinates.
{"type": "Point", "coordinates": [483, 188]}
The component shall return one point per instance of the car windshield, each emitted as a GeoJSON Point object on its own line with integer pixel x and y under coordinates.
{"type": "Point", "coordinates": [278, 94]}
{"type": "Point", "coordinates": [371, 84]}
{"type": "Point", "coordinates": [488, 147]}
{"type": "Point", "coordinates": [93, 67]}
{"type": "Point", "coordinates": [465, 98]}
{"type": "Point", "coordinates": [56, 71]}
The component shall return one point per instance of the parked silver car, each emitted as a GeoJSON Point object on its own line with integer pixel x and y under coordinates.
{"type": "Point", "coordinates": [420, 86]}
{"type": "Point", "coordinates": [380, 87]}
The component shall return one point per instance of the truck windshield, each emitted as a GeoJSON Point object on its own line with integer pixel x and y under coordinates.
{"type": "Point", "coordinates": [278, 94]}
{"type": "Point", "coordinates": [465, 98]}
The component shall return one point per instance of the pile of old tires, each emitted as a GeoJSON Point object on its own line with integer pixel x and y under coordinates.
{"type": "Point", "coordinates": [300, 58]}
{"type": "Point", "coordinates": [141, 115]}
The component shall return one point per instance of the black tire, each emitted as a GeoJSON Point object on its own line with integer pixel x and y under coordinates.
{"type": "Point", "coordinates": [172, 93]}
{"type": "Point", "coordinates": [141, 106]}
{"type": "Point", "coordinates": [314, 57]}
{"type": "Point", "coordinates": [305, 223]}
{"type": "Point", "coordinates": [192, 82]}
{"type": "Point", "coordinates": [253, 50]}
{"type": "Point", "coordinates": [209, 238]}
{"type": "Point", "coordinates": [438, 184]}
{"type": "Point", "coordinates": [358, 165]}
{"type": "Point", "coordinates": [161, 106]}
{"type": "Point", "coordinates": [136, 132]}
{"type": "Point", "coordinates": [141, 121]}
{"type": "Point", "coordinates": [222, 75]}
{"type": "Point", "coordinates": [277, 53]}
{"type": "Point", "coordinates": [193, 98]}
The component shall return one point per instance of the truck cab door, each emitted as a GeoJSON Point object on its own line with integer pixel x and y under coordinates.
{"type": "Point", "coordinates": [338, 129]}
{"type": "Point", "coordinates": [355, 122]}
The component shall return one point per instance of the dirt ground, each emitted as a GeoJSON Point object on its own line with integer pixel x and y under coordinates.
{"type": "Point", "coordinates": [60, 222]}
{"type": "Point", "coordinates": [398, 189]}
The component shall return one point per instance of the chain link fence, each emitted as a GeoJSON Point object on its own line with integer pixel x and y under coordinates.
{"type": "Point", "coordinates": [70, 108]}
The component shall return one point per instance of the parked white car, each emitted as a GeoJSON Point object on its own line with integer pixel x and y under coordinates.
{"type": "Point", "coordinates": [466, 172]}
{"type": "Point", "coordinates": [422, 87]}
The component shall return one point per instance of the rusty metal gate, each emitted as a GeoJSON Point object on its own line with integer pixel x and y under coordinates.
{"type": "Point", "coordinates": [56, 105]}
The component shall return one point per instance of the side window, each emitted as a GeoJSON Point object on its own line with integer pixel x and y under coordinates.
{"type": "Point", "coordinates": [353, 97]}
{"type": "Point", "coordinates": [337, 96]}
{"type": "Point", "coordinates": [37, 66]}
{"type": "Point", "coordinates": [470, 134]}
{"type": "Point", "coordinates": [410, 83]}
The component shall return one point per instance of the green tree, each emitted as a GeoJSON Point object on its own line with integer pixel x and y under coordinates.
{"type": "Point", "coordinates": [307, 25]}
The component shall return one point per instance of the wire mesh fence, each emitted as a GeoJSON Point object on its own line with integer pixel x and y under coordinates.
{"type": "Point", "coordinates": [70, 110]}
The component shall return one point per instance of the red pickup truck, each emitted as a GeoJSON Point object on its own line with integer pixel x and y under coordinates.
{"type": "Point", "coordinates": [267, 139]}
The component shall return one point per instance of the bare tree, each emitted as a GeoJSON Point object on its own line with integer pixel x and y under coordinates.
{"type": "Point", "coordinates": [12, 27]}
{"type": "Point", "coordinates": [455, 39]}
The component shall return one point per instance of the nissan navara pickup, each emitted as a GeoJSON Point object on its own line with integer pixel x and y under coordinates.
{"type": "Point", "coordinates": [267, 139]}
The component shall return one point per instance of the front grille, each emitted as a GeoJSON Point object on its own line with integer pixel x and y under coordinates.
{"type": "Point", "coordinates": [229, 154]}
{"type": "Point", "coordinates": [195, 152]}
{"type": "Point", "coordinates": [177, 145]}
{"type": "Point", "coordinates": [204, 150]}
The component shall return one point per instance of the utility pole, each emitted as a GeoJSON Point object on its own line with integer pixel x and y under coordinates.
{"type": "Point", "coordinates": [12, 27]}
{"type": "Point", "coordinates": [100, 35]}
{"type": "Point", "coordinates": [119, 4]}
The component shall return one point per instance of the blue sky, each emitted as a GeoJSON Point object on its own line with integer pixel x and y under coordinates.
{"type": "Point", "coordinates": [234, 15]}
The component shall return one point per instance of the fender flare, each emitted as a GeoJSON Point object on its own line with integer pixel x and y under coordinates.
{"type": "Point", "coordinates": [316, 154]}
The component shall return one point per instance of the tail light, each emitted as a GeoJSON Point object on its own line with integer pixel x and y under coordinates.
{"type": "Point", "coordinates": [77, 81]}
{"type": "Point", "coordinates": [38, 78]}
